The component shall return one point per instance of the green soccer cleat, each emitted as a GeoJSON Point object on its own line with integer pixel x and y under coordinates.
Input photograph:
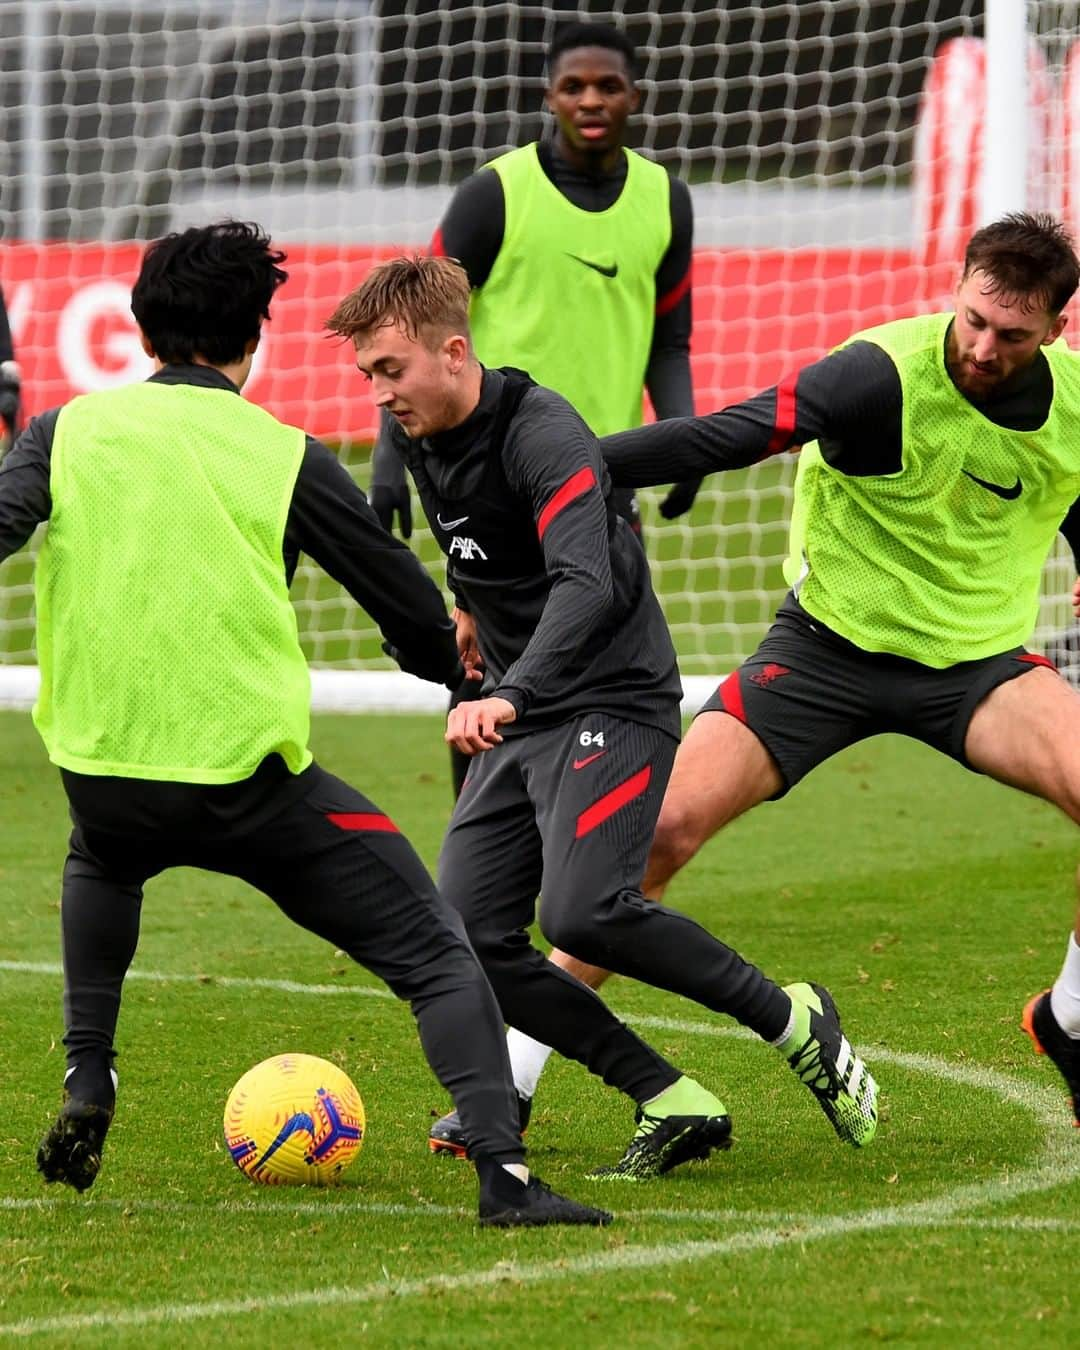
{"type": "Point", "coordinates": [822, 1057]}
{"type": "Point", "coordinates": [684, 1124]}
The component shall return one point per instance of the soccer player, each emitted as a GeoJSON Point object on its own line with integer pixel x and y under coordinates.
{"type": "Point", "coordinates": [578, 251]}
{"type": "Point", "coordinates": [940, 458]}
{"type": "Point", "coordinates": [576, 738]}
{"type": "Point", "coordinates": [175, 695]}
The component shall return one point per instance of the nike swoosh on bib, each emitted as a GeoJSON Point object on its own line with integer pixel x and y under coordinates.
{"type": "Point", "coordinates": [1008, 494]}
{"type": "Point", "coordinates": [450, 524]}
{"type": "Point", "coordinates": [602, 268]}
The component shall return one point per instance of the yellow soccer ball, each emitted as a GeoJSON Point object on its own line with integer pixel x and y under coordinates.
{"type": "Point", "coordinates": [294, 1120]}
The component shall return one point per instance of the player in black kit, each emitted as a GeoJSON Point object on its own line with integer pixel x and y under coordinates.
{"type": "Point", "coordinates": [575, 742]}
{"type": "Point", "coordinates": [572, 335]}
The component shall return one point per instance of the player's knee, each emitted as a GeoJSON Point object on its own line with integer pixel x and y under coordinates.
{"type": "Point", "coordinates": [677, 838]}
{"type": "Point", "coordinates": [572, 930]}
{"type": "Point", "coordinates": [581, 927]}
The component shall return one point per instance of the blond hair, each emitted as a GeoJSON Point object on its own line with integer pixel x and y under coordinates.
{"type": "Point", "coordinates": [427, 297]}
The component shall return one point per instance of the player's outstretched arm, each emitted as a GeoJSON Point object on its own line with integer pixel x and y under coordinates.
{"type": "Point", "coordinates": [332, 521]}
{"type": "Point", "coordinates": [850, 401]}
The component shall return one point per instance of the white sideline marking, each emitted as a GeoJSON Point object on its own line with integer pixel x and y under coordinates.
{"type": "Point", "coordinates": [210, 981]}
{"type": "Point", "coordinates": [1058, 1163]}
{"type": "Point", "coordinates": [509, 1273]}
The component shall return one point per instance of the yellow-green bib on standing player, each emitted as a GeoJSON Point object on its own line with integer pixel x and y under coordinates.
{"type": "Point", "coordinates": [167, 643]}
{"type": "Point", "coordinates": [590, 337]}
{"type": "Point", "coordinates": [941, 561]}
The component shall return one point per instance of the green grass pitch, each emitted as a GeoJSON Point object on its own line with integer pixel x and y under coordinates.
{"type": "Point", "coordinates": [930, 901]}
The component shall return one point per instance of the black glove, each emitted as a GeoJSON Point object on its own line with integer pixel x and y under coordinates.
{"type": "Point", "coordinates": [452, 680]}
{"type": "Point", "coordinates": [10, 388]}
{"type": "Point", "coordinates": [386, 500]}
{"type": "Point", "coordinates": [680, 499]}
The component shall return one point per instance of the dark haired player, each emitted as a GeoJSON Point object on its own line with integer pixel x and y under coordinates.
{"type": "Point", "coordinates": [175, 695]}
{"type": "Point", "coordinates": [940, 459]}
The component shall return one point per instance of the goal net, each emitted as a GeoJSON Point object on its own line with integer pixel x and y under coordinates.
{"type": "Point", "coordinates": [822, 195]}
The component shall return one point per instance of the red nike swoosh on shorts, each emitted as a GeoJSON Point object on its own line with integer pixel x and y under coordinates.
{"type": "Point", "coordinates": [580, 763]}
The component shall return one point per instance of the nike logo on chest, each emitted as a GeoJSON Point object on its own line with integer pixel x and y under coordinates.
{"type": "Point", "coordinates": [605, 269]}
{"type": "Point", "coordinates": [1008, 494]}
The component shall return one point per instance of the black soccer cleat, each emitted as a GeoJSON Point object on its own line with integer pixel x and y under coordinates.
{"type": "Point", "coordinates": [665, 1142]}
{"type": "Point", "coordinates": [71, 1150]}
{"type": "Point", "coordinates": [506, 1202]}
{"type": "Point", "coordinates": [447, 1135]}
{"type": "Point", "coordinates": [1057, 1045]}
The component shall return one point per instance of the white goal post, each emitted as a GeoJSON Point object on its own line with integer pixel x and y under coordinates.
{"type": "Point", "coordinates": [342, 126]}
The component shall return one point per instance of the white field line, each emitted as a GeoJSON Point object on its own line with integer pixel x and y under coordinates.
{"type": "Point", "coordinates": [209, 981]}
{"type": "Point", "coordinates": [506, 1273]}
{"type": "Point", "coordinates": [1058, 1163]}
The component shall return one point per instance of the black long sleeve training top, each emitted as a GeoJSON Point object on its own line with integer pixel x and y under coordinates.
{"type": "Point", "coordinates": [850, 402]}
{"type": "Point", "coordinates": [519, 500]}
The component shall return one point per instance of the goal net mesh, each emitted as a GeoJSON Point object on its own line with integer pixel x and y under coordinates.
{"type": "Point", "coordinates": [826, 198]}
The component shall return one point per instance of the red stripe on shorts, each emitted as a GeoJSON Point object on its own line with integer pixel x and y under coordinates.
{"type": "Point", "coordinates": [1034, 659]}
{"type": "Point", "coordinates": [362, 820]}
{"type": "Point", "coordinates": [731, 696]}
{"type": "Point", "coordinates": [574, 486]}
{"type": "Point", "coordinates": [613, 801]}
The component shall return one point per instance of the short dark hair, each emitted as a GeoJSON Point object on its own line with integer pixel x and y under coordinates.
{"type": "Point", "coordinates": [574, 35]}
{"type": "Point", "coordinates": [1028, 255]}
{"type": "Point", "coordinates": [205, 291]}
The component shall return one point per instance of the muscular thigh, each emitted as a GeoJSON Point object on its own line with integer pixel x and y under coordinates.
{"type": "Point", "coordinates": [804, 695]}
{"type": "Point", "coordinates": [1026, 732]}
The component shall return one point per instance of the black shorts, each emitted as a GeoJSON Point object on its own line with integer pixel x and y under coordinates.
{"type": "Point", "coordinates": [807, 692]}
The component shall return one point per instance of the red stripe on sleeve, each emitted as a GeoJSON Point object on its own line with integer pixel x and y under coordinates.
{"type": "Point", "coordinates": [361, 820]}
{"type": "Point", "coordinates": [437, 249]}
{"type": "Point", "coordinates": [785, 414]}
{"type": "Point", "coordinates": [574, 486]}
{"type": "Point", "coordinates": [613, 801]}
{"type": "Point", "coordinates": [731, 696]}
{"type": "Point", "coordinates": [666, 303]}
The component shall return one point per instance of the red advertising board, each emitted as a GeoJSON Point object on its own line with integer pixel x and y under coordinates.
{"type": "Point", "coordinates": [757, 314]}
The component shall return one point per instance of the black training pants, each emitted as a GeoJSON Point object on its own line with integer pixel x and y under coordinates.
{"type": "Point", "coordinates": [332, 862]}
{"type": "Point", "coordinates": [569, 814]}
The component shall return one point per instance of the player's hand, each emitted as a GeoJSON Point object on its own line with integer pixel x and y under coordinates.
{"type": "Point", "coordinates": [1076, 597]}
{"type": "Point", "coordinates": [388, 501]}
{"type": "Point", "coordinates": [680, 499]}
{"type": "Point", "coordinates": [471, 727]}
{"type": "Point", "coordinates": [468, 648]}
